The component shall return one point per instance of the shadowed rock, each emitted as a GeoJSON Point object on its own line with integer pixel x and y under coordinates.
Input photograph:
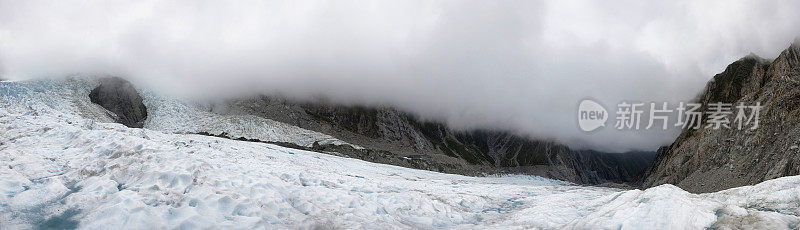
{"type": "Point", "coordinates": [710, 160]}
{"type": "Point", "coordinates": [120, 98]}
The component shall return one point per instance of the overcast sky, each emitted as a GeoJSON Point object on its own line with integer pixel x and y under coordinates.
{"type": "Point", "coordinates": [515, 65]}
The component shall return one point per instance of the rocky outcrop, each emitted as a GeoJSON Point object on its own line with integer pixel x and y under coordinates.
{"type": "Point", "coordinates": [119, 97]}
{"type": "Point", "coordinates": [708, 160]}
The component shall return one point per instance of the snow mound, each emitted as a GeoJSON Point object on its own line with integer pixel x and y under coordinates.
{"type": "Point", "coordinates": [61, 169]}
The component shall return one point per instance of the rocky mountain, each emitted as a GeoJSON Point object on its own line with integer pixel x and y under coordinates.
{"type": "Point", "coordinates": [708, 160]}
{"type": "Point", "coordinates": [394, 137]}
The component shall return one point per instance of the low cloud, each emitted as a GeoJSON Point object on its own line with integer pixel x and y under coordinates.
{"type": "Point", "coordinates": [514, 65]}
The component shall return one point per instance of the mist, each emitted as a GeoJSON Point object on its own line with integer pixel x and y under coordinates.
{"type": "Point", "coordinates": [521, 66]}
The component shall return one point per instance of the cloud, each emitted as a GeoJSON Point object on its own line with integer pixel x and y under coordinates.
{"type": "Point", "coordinates": [515, 65]}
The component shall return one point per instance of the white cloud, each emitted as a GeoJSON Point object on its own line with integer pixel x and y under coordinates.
{"type": "Point", "coordinates": [519, 65]}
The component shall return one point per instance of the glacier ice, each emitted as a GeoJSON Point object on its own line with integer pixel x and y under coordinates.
{"type": "Point", "coordinates": [63, 165]}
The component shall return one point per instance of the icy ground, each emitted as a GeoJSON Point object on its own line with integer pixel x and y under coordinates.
{"type": "Point", "coordinates": [61, 166]}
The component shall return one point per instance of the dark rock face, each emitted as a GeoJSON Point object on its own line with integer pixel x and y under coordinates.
{"type": "Point", "coordinates": [599, 167]}
{"type": "Point", "coordinates": [394, 137]}
{"type": "Point", "coordinates": [708, 160]}
{"type": "Point", "coordinates": [120, 98]}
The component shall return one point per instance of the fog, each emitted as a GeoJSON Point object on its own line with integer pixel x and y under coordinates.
{"type": "Point", "coordinates": [521, 66]}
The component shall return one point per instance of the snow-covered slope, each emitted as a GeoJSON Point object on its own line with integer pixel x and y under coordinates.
{"type": "Point", "coordinates": [70, 95]}
{"type": "Point", "coordinates": [176, 116]}
{"type": "Point", "coordinates": [60, 168]}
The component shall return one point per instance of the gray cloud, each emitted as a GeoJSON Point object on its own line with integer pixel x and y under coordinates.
{"type": "Point", "coordinates": [515, 65]}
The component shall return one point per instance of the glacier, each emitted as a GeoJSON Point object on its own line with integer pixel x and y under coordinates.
{"type": "Point", "coordinates": [64, 164]}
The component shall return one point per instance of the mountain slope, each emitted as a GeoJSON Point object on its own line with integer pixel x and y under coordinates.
{"type": "Point", "coordinates": [380, 134]}
{"type": "Point", "coordinates": [402, 138]}
{"type": "Point", "coordinates": [708, 160]}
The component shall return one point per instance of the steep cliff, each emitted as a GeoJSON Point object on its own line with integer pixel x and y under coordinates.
{"type": "Point", "coordinates": [707, 160]}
